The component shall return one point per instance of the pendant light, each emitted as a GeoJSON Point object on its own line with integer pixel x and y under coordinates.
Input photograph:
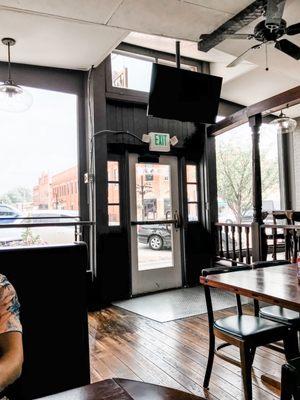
{"type": "Point", "coordinates": [284, 124]}
{"type": "Point", "coordinates": [13, 98]}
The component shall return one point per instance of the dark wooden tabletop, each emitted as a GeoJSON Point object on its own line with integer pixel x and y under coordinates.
{"type": "Point", "coordinates": [122, 389]}
{"type": "Point", "coordinates": [276, 285]}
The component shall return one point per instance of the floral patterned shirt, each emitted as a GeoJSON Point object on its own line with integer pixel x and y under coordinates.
{"type": "Point", "coordinates": [9, 307]}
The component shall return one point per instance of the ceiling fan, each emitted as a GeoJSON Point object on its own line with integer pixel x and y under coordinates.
{"type": "Point", "coordinates": [270, 30]}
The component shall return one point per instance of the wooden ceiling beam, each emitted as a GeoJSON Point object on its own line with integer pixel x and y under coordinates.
{"type": "Point", "coordinates": [233, 25]}
{"type": "Point", "coordinates": [265, 107]}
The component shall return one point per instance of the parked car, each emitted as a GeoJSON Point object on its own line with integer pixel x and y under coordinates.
{"type": "Point", "coordinates": [9, 215]}
{"type": "Point", "coordinates": [248, 217]}
{"type": "Point", "coordinates": [158, 237]}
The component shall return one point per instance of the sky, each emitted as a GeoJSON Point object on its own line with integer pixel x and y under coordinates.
{"type": "Point", "coordinates": [41, 139]}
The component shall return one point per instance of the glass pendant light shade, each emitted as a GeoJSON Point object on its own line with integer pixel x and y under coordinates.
{"type": "Point", "coordinates": [284, 124]}
{"type": "Point", "coordinates": [13, 97]}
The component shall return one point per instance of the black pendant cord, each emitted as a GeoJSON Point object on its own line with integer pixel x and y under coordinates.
{"type": "Point", "coordinates": [9, 66]}
{"type": "Point", "coordinates": [177, 54]}
{"type": "Point", "coordinates": [267, 59]}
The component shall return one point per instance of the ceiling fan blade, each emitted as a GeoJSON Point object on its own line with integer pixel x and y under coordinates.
{"type": "Point", "coordinates": [239, 36]}
{"type": "Point", "coordinates": [241, 57]}
{"type": "Point", "coordinates": [288, 48]}
{"type": "Point", "coordinates": [293, 29]}
{"type": "Point", "coordinates": [274, 13]}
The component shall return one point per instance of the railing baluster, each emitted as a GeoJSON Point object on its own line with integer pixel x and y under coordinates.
{"type": "Point", "coordinates": [233, 242]}
{"type": "Point", "coordinates": [274, 233]}
{"type": "Point", "coordinates": [248, 258]}
{"type": "Point", "coordinates": [221, 253]}
{"type": "Point", "coordinates": [227, 242]}
{"type": "Point", "coordinates": [240, 244]}
{"type": "Point", "coordinates": [286, 241]}
{"type": "Point", "coordinates": [294, 246]}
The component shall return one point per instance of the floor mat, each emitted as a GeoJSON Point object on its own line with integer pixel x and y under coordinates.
{"type": "Point", "coordinates": [176, 304]}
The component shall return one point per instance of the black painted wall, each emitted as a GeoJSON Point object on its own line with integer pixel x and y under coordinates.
{"type": "Point", "coordinates": [123, 111]}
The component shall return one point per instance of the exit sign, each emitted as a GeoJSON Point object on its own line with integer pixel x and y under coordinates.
{"type": "Point", "coordinates": [159, 141]}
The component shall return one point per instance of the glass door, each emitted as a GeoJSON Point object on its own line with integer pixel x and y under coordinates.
{"type": "Point", "coordinates": [155, 225]}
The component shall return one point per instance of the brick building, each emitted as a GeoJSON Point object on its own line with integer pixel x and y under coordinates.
{"type": "Point", "coordinates": [41, 192]}
{"type": "Point", "coordinates": [64, 190]}
{"type": "Point", "coordinates": [57, 192]}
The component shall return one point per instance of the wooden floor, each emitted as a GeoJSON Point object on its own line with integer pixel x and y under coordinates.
{"type": "Point", "coordinates": [125, 345]}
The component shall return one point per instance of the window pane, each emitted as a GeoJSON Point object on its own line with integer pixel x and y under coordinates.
{"type": "Point", "coordinates": [38, 164]}
{"type": "Point", "coordinates": [191, 173]}
{"type": "Point", "coordinates": [153, 197]}
{"type": "Point", "coordinates": [130, 73]}
{"type": "Point", "coordinates": [113, 215]}
{"type": "Point", "coordinates": [113, 193]}
{"type": "Point", "coordinates": [234, 173]}
{"type": "Point", "coordinates": [193, 212]}
{"type": "Point", "coordinates": [192, 192]}
{"type": "Point", "coordinates": [155, 246]}
{"type": "Point", "coordinates": [113, 170]}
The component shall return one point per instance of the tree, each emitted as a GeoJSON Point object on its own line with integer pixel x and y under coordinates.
{"type": "Point", "coordinates": [234, 177]}
{"type": "Point", "coordinates": [17, 195]}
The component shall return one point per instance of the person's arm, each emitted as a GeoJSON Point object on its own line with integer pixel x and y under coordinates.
{"type": "Point", "coordinates": [11, 357]}
{"type": "Point", "coordinates": [11, 348]}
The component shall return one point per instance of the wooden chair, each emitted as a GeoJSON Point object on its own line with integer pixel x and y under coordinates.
{"type": "Point", "coordinates": [294, 217]}
{"type": "Point", "coordinates": [280, 218]}
{"type": "Point", "coordinates": [290, 380]}
{"type": "Point", "coordinates": [247, 332]}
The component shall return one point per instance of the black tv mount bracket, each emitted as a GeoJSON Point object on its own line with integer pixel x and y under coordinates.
{"type": "Point", "coordinates": [177, 53]}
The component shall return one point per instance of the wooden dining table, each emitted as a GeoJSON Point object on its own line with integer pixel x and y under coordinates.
{"type": "Point", "coordinates": [277, 285]}
{"type": "Point", "coordinates": [122, 389]}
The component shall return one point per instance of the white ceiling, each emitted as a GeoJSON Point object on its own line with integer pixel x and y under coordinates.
{"type": "Point", "coordinates": [80, 33]}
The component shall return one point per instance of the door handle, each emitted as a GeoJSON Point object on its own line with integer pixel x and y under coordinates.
{"type": "Point", "coordinates": [177, 219]}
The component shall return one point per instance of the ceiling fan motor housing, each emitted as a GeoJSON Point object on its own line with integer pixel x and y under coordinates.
{"type": "Point", "coordinates": [264, 34]}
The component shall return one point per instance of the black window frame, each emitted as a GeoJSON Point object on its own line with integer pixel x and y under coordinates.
{"type": "Point", "coordinates": [142, 53]}
{"type": "Point", "coordinates": [114, 182]}
{"type": "Point", "coordinates": [196, 184]}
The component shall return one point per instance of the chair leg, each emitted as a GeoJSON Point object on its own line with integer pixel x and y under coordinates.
{"type": "Point", "coordinates": [210, 361]}
{"type": "Point", "coordinates": [252, 353]}
{"type": "Point", "coordinates": [291, 345]}
{"type": "Point", "coordinates": [246, 364]}
{"type": "Point", "coordinates": [286, 392]}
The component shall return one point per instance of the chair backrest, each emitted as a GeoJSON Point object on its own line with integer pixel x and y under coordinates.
{"type": "Point", "coordinates": [215, 271]}
{"type": "Point", "coordinates": [281, 215]}
{"type": "Point", "coordinates": [294, 216]}
{"type": "Point", "coordinates": [266, 264]}
{"type": "Point", "coordinates": [51, 285]}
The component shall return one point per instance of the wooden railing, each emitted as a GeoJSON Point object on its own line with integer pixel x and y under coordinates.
{"type": "Point", "coordinates": [234, 242]}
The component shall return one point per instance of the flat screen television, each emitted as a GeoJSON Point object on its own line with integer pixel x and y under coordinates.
{"type": "Point", "coordinates": [183, 95]}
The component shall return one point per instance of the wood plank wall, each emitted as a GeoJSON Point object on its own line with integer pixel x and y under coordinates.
{"type": "Point", "coordinates": [133, 117]}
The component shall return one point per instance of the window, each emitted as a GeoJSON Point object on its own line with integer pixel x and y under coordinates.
{"type": "Point", "coordinates": [192, 192]}
{"type": "Point", "coordinates": [134, 72]}
{"type": "Point", "coordinates": [131, 73]}
{"type": "Point", "coordinates": [38, 153]}
{"type": "Point", "coordinates": [113, 193]}
{"type": "Point", "coordinates": [234, 173]}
